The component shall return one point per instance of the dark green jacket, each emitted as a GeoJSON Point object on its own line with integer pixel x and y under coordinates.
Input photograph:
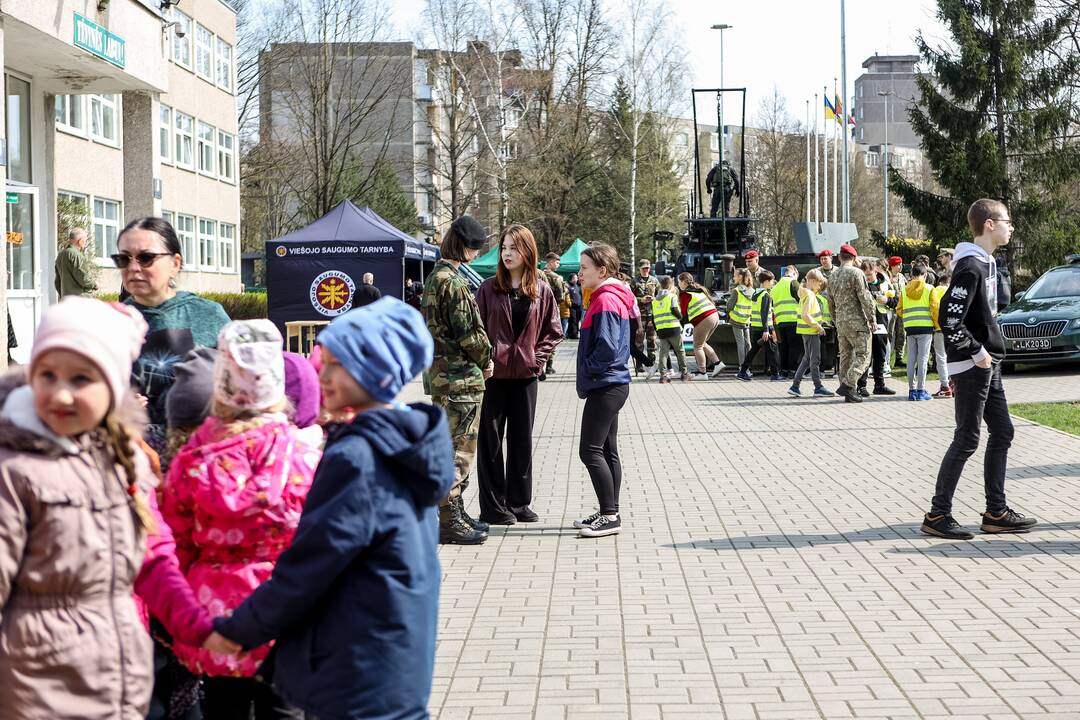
{"type": "Point", "coordinates": [74, 273]}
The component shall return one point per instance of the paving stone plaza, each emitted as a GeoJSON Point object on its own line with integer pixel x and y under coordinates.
{"type": "Point", "coordinates": [770, 567]}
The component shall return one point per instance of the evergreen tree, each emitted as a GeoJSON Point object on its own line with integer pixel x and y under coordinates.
{"type": "Point", "coordinates": [993, 121]}
{"type": "Point", "coordinates": [387, 197]}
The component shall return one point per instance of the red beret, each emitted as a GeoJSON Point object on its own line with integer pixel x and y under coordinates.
{"type": "Point", "coordinates": [848, 249]}
{"type": "Point", "coordinates": [896, 260]}
{"type": "Point", "coordinates": [751, 254]}
{"type": "Point", "coordinates": [825, 252]}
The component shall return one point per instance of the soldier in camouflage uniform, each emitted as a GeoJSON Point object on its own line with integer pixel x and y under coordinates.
{"type": "Point", "coordinates": [462, 362]}
{"type": "Point", "coordinates": [558, 288]}
{"type": "Point", "coordinates": [853, 312]}
{"type": "Point", "coordinates": [646, 287]}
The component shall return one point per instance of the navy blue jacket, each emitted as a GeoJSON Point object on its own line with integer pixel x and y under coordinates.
{"type": "Point", "coordinates": [353, 601]}
{"type": "Point", "coordinates": [604, 347]}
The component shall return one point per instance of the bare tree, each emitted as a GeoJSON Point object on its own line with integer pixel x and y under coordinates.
{"type": "Point", "coordinates": [775, 170]}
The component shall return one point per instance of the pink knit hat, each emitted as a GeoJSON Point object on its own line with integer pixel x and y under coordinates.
{"type": "Point", "coordinates": [110, 335]}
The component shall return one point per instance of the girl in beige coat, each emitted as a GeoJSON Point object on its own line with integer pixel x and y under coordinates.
{"type": "Point", "coordinates": [73, 520]}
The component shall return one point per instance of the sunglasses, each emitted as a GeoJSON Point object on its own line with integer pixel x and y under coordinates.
{"type": "Point", "coordinates": [145, 259]}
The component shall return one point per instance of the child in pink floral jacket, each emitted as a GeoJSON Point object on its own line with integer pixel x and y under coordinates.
{"type": "Point", "coordinates": [233, 498]}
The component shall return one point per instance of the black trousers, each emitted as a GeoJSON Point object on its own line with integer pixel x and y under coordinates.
{"type": "Point", "coordinates": [232, 698]}
{"type": "Point", "coordinates": [507, 411]}
{"type": "Point", "coordinates": [771, 354]}
{"type": "Point", "coordinates": [791, 347]}
{"type": "Point", "coordinates": [599, 447]}
{"type": "Point", "coordinates": [829, 350]}
{"type": "Point", "coordinates": [879, 353]}
{"type": "Point", "coordinates": [979, 396]}
{"type": "Point", "coordinates": [576, 313]}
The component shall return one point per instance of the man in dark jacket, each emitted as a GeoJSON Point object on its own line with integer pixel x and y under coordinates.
{"type": "Point", "coordinates": [353, 601]}
{"type": "Point", "coordinates": [975, 349]}
{"type": "Point", "coordinates": [367, 293]}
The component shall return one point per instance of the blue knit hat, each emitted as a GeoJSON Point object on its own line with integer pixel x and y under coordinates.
{"type": "Point", "coordinates": [383, 346]}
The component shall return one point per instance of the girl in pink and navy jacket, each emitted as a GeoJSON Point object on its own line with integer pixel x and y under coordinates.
{"type": "Point", "coordinates": [233, 498]}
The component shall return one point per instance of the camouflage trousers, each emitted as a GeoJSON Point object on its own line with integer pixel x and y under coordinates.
{"type": "Point", "coordinates": [463, 417]}
{"type": "Point", "coordinates": [854, 354]}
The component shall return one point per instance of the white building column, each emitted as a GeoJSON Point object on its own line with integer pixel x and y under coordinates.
{"type": "Point", "coordinates": [142, 174]}
{"type": "Point", "coordinates": [3, 215]}
{"type": "Point", "coordinates": [45, 174]}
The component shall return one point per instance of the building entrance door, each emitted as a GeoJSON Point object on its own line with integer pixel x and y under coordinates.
{"type": "Point", "coordinates": [24, 291]}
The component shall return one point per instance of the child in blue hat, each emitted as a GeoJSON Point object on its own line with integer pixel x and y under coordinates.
{"type": "Point", "coordinates": [353, 602]}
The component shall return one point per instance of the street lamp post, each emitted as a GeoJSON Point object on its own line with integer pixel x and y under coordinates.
{"type": "Point", "coordinates": [723, 206]}
{"type": "Point", "coordinates": [885, 161]}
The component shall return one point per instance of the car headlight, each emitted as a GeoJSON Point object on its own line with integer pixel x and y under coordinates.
{"type": "Point", "coordinates": [1075, 324]}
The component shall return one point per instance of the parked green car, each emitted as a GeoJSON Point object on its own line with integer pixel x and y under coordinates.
{"type": "Point", "coordinates": [1042, 325]}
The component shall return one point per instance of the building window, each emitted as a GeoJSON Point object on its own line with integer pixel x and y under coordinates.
{"type": "Point", "coordinates": [169, 217]}
{"type": "Point", "coordinates": [181, 39]}
{"type": "Point", "coordinates": [206, 148]}
{"type": "Point", "coordinates": [69, 114]}
{"type": "Point", "coordinates": [224, 65]}
{"type": "Point", "coordinates": [106, 227]}
{"type": "Point", "coordinates": [226, 156]}
{"type": "Point", "coordinates": [681, 140]}
{"type": "Point", "coordinates": [184, 145]}
{"type": "Point", "coordinates": [204, 53]}
{"type": "Point", "coordinates": [207, 241]}
{"type": "Point", "coordinates": [104, 119]}
{"type": "Point", "coordinates": [185, 229]}
{"type": "Point", "coordinates": [165, 133]}
{"type": "Point", "coordinates": [227, 247]}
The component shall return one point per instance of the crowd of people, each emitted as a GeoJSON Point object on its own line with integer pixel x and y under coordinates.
{"type": "Point", "coordinates": [195, 523]}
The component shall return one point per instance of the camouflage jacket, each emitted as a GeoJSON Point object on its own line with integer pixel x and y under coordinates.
{"type": "Point", "coordinates": [557, 285]}
{"type": "Point", "coordinates": [850, 299]}
{"type": "Point", "coordinates": [644, 287]}
{"type": "Point", "coordinates": [462, 349]}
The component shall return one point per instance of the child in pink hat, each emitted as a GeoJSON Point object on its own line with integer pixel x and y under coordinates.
{"type": "Point", "coordinates": [233, 497]}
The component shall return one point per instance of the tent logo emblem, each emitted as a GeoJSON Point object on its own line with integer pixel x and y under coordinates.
{"type": "Point", "coordinates": [281, 251]}
{"type": "Point", "coordinates": [332, 293]}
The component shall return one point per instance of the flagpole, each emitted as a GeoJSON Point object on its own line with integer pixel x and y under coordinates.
{"type": "Point", "coordinates": [843, 96]}
{"type": "Point", "coordinates": [825, 148]}
{"type": "Point", "coordinates": [836, 165]}
{"type": "Point", "coordinates": [807, 161]}
{"type": "Point", "coordinates": [817, 198]}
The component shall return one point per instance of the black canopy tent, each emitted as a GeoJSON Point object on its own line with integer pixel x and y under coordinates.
{"type": "Point", "coordinates": [313, 273]}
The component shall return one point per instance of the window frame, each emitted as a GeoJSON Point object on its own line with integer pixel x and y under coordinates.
{"type": "Point", "coordinates": [219, 45]}
{"type": "Point", "coordinates": [101, 243]}
{"type": "Point", "coordinates": [103, 102]}
{"type": "Point", "coordinates": [179, 135]}
{"type": "Point", "coordinates": [166, 148]}
{"type": "Point", "coordinates": [63, 126]}
{"type": "Point", "coordinates": [189, 239]}
{"type": "Point", "coordinates": [184, 22]}
{"type": "Point", "coordinates": [230, 157]}
{"type": "Point", "coordinates": [212, 149]}
{"type": "Point", "coordinates": [229, 242]}
{"type": "Point", "coordinates": [210, 55]}
{"type": "Point", "coordinates": [211, 243]}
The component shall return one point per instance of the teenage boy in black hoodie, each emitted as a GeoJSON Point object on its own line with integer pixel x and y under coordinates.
{"type": "Point", "coordinates": [975, 349]}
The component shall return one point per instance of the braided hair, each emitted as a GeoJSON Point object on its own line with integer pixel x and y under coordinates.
{"type": "Point", "coordinates": [120, 442]}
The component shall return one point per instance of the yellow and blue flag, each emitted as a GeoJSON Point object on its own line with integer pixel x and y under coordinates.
{"type": "Point", "coordinates": [830, 111]}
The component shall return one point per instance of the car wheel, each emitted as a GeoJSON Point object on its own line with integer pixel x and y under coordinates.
{"type": "Point", "coordinates": [1008, 367]}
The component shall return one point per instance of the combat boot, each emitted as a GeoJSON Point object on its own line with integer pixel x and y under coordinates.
{"type": "Point", "coordinates": [469, 520]}
{"type": "Point", "coordinates": [453, 530]}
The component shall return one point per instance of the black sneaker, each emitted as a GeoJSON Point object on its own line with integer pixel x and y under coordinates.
{"type": "Point", "coordinates": [863, 392]}
{"type": "Point", "coordinates": [587, 520]}
{"type": "Point", "coordinates": [884, 390]}
{"type": "Point", "coordinates": [944, 526]}
{"type": "Point", "coordinates": [1009, 521]}
{"type": "Point", "coordinates": [601, 527]}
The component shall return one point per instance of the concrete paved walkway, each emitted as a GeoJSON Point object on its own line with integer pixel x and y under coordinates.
{"type": "Point", "coordinates": [770, 566]}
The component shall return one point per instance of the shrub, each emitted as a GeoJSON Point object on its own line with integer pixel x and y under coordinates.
{"type": "Point", "coordinates": [238, 306]}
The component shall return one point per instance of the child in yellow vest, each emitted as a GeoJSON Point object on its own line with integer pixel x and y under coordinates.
{"type": "Point", "coordinates": [809, 328]}
{"type": "Point", "coordinates": [913, 310]}
{"type": "Point", "coordinates": [668, 321]}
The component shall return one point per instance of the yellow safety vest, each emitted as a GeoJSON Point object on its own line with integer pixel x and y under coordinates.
{"type": "Point", "coordinates": [664, 314]}
{"type": "Point", "coordinates": [785, 307]}
{"type": "Point", "coordinates": [755, 309]}
{"type": "Point", "coordinates": [936, 293]}
{"type": "Point", "coordinates": [802, 328]}
{"type": "Point", "coordinates": [698, 304]}
{"type": "Point", "coordinates": [917, 312]}
{"type": "Point", "coordinates": [743, 308]}
{"type": "Point", "coordinates": [826, 311]}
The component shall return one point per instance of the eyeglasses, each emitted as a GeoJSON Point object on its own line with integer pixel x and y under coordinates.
{"type": "Point", "coordinates": [145, 259]}
{"type": "Point", "coordinates": [1007, 221]}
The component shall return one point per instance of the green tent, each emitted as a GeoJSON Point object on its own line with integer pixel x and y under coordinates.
{"type": "Point", "coordinates": [570, 261]}
{"type": "Point", "coordinates": [486, 264]}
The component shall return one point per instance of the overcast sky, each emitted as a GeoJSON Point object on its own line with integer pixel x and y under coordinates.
{"type": "Point", "coordinates": [792, 45]}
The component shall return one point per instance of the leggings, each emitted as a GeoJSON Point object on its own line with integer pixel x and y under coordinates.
{"type": "Point", "coordinates": [236, 697]}
{"type": "Point", "coordinates": [599, 449]}
{"type": "Point", "coordinates": [702, 350]}
{"type": "Point", "coordinates": [635, 352]}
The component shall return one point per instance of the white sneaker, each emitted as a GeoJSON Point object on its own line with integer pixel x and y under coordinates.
{"type": "Point", "coordinates": [578, 524]}
{"type": "Point", "coordinates": [650, 372]}
{"type": "Point", "coordinates": [718, 369]}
